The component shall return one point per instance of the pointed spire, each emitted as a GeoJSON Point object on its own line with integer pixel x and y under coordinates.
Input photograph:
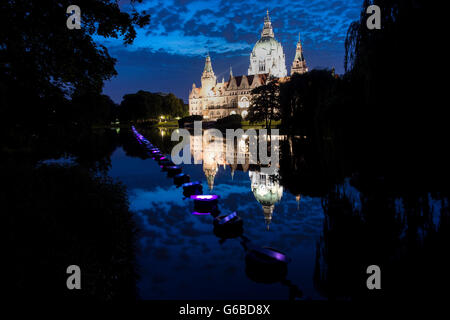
{"type": "Point", "coordinates": [208, 76]}
{"type": "Point", "coordinates": [208, 66]}
{"type": "Point", "coordinates": [299, 63]}
{"type": "Point", "coordinates": [231, 72]}
{"type": "Point", "coordinates": [267, 29]}
{"type": "Point", "coordinates": [268, 212]}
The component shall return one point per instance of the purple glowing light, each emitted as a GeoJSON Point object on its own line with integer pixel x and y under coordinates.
{"type": "Point", "coordinates": [201, 213]}
{"type": "Point", "coordinates": [205, 197]}
{"type": "Point", "coordinates": [228, 218]}
{"type": "Point", "coordinates": [274, 254]}
{"type": "Point", "coordinates": [190, 184]}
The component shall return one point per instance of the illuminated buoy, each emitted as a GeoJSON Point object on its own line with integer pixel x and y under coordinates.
{"type": "Point", "coordinates": [196, 213]}
{"type": "Point", "coordinates": [192, 188]}
{"type": "Point", "coordinates": [228, 220]}
{"type": "Point", "coordinates": [228, 226]}
{"type": "Point", "coordinates": [205, 203]}
{"type": "Point", "coordinates": [181, 178]}
{"type": "Point", "coordinates": [173, 170]}
{"type": "Point", "coordinates": [166, 165]}
{"type": "Point", "coordinates": [266, 265]}
{"type": "Point", "coordinates": [163, 160]}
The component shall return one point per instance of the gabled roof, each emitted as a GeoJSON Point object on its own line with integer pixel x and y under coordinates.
{"type": "Point", "coordinates": [252, 80]}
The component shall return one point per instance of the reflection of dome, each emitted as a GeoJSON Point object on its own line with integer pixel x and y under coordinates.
{"type": "Point", "coordinates": [267, 191]}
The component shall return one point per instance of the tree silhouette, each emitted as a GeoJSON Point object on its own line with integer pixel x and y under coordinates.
{"type": "Point", "coordinates": [43, 63]}
{"type": "Point", "coordinates": [265, 103]}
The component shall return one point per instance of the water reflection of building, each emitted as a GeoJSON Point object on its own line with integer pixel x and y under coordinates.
{"type": "Point", "coordinates": [266, 188]}
{"type": "Point", "coordinates": [267, 191]}
{"type": "Point", "coordinates": [213, 155]}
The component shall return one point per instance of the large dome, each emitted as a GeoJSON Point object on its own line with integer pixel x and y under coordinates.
{"type": "Point", "coordinates": [266, 43]}
{"type": "Point", "coordinates": [267, 55]}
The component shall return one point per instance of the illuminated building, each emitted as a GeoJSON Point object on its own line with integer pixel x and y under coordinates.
{"type": "Point", "coordinates": [215, 100]}
{"type": "Point", "coordinates": [267, 55]}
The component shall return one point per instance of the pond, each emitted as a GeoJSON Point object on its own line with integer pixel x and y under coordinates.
{"type": "Point", "coordinates": [180, 257]}
{"type": "Point", "coordinates": [329, 224]}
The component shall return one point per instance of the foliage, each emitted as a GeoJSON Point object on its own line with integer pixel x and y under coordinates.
{"type": "Point", "coordinates": [93, 109]}
{"type": "Point", "coordinates": [265, 103]}
{"type": "Point", "coordinates": [304, 98]}
{"type": "Point", "coordinates": [43, 63]}
{"type": "Point", "coordinates": [58, 216]}
{"type": "Point", "coordinates": [189, 119]}
{"type": "Point", "coordinates": [145, 105]}
{"type": "Point", "coordinates": [386, 105]}
{"type": "Point", "coordinates": [233, 121]}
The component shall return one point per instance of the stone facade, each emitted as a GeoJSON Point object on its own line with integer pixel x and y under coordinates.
{"type": "Point", "coordinates": [224, 98]}
{"type": "Point", "coordinates": [215, 100]}
{"type": "Point", "coordinates": [299, 64]}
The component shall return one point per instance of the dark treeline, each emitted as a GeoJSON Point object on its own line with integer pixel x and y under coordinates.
{"type": "Point", "coordinates": [381, 129]}
{"type": "Point", "coordinates": [384, 114]}
{"type": "Point", "coordinates": [143, 106]}
{"type": "Point", "coordinates": [56, 215]}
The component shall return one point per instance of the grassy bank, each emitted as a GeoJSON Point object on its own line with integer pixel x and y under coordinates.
{"type": "Point", "coordinates": [259, 125]}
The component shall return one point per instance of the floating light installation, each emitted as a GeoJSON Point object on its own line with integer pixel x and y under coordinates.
{"type": "Point", "coordinates": [205, 203]}
{"type": "Point", "coordinates": [173, 170]}
{"type": "Point", "coordinates": [263, 264]}
{"type": "Point", "coordinates": [181, 178]}
{"type": "Point", "coordinates": [228, 226]}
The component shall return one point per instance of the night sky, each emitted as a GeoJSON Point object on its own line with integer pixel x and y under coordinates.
{"type": "Point", "coordinates": [168, 54]}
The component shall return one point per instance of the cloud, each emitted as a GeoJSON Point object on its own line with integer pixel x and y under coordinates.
{"type": "Point", "coordinates": [191, 27]}
{"type": "Point", "coordinates": [181, 32]}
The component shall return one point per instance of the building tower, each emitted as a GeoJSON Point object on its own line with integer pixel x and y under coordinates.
{"type": "Point", "coordinates": [208, 76]}
{"type": "Point", "coordinates": [267, 55]}
{"type": "Point", "coordinates": [299, 64]}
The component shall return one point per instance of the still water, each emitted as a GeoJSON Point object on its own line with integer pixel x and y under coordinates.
{"type": "Point", "coordinates": [179, 256]}
{"type": "Point", "coordinates": [330, 221]}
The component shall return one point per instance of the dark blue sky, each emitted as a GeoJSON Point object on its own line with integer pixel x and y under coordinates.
{"type": "Point", "coordinates": [168, 54]}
